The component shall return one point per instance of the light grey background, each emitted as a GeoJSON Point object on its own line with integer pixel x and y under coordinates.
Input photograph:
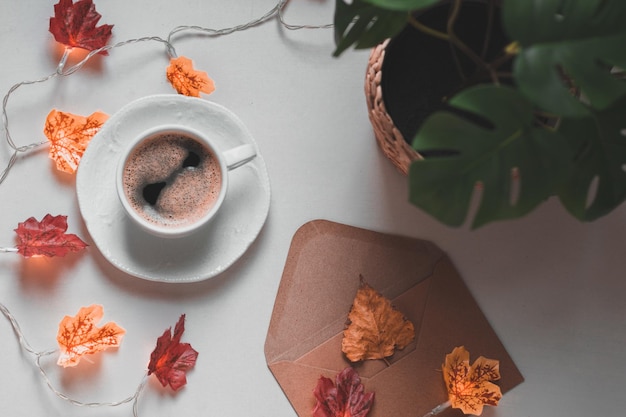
{"type": "Point", "coordinates": [553, 288]}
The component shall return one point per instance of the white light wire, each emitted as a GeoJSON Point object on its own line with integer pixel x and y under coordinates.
{"type": "Point", "coordinates": [276, 11]}
{"type": "Point", "coordinates": [39, 355]}
{"type": "Point", "coordinates": [61, 70]}
{"type": "Point", "coordinates": [440, 408]}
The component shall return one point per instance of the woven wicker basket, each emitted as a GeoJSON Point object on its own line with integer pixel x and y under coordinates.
{"type": "Point", "coordinates": [391, 141]}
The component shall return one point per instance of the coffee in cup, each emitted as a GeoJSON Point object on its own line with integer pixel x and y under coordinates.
{"type": "Point", "coordinates": [172, 179]}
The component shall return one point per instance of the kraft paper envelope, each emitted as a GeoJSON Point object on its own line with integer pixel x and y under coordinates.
{"type": "Point", "coordinates": [319, 282]}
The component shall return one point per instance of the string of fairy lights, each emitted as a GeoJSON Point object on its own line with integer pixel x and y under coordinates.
{"type": "Point", "coordinates": [62, 70]}
{"type": "Point", "coordinates": [40, 355]}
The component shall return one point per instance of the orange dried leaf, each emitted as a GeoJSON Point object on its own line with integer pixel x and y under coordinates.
{"type": "Point", "coordinates": [186, 80]}
{"type": "Point", "coordinates": [79, 335]}
{"type": "Point", "coordinates": [470, 387]}
{"type": "Point", "coordinates": [46, 238]}
{"type": "Point", "coordinates": [69, 134]}
{"type": "Point", "coordinates": [376, 328]}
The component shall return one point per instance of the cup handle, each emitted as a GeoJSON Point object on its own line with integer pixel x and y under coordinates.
{"type": "Point", "coordinates": [239, 156]}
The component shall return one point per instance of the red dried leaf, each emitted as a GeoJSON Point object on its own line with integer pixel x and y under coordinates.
{"type": "Point", "coordinates": [69, 134]}
{"type": "Point", "coordinates": [170, 359]}
{"type": "Point", "coordinates": [79, 335]}
{"type": "Point", "coordinates": [46, 238]}
{"type": "Point", "coordinates": [345, 398]}
{"type": "Point", "coordinates": [75, 25]}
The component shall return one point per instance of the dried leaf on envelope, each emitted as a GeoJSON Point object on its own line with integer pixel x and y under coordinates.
{"type": "Point", "coordinates": [46, 237]}
{"type": "Point", "coordinates": [69, 134]}
{"type": "Point", "coordinates": [79, 335]}
{"type": "Point", "coordinates": [376, 329]}
{"type": "Point", "coordinates": [345, 398]}
{"type": "Point", "coordinates": [186, 80]}
{"type": "Point", "coordinates": [470, 387]}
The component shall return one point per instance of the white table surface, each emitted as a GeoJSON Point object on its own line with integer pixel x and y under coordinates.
{"type": "Point", "coordinates": [554, 289]}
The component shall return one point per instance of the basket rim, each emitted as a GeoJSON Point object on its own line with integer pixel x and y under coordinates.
{"type": "Point", "coordinates": [388, 136]}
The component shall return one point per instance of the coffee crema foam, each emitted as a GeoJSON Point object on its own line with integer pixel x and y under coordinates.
{"type": "Point", "coordinates": [172, 179]}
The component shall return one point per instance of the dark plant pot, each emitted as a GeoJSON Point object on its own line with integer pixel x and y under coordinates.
{"type": "Point", "coordinates": [412, 75]}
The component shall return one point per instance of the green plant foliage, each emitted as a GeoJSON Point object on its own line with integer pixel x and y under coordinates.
{"type": "Point", "coordinates": [599, 143]}
{"type": "Point", "coordinates": [569, 63]}
{"type": "Point", "coordinates": [364, 25]}
{"type": "Point", "coordinates": [402, 5]}
{"type": "Point", "coordinates": [443, 185]}
{"type": "Point", "coordinates": [578, 40]}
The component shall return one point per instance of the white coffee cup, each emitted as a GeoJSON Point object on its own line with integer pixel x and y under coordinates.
{"type": "Point", "coordinates": [172, 180]}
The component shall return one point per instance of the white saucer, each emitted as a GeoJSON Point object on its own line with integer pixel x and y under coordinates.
{"type": "Point", "coordinates": [207, 252]}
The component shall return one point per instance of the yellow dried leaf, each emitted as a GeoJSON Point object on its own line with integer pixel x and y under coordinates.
{"type": "Point", "coordinates": [186, 80]}
{"type": "Point", "coordinates": [375, 328]}
{"type": "Point", "coordinates": [469, 387]}
{"type": "Point", "coordinates": [79, 335]}
{"type": "Point", "coordinates": [69, 134]}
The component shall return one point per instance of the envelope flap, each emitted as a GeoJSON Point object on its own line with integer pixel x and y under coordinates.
{"type": "Point", "coordinates": [321, 277]}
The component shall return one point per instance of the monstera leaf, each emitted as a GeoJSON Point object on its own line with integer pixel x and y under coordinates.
{"type": "Point", "coordinates": [518, 163]}
{"type": "Point", "coordinates": [577, 40]}
{"type": "Point", "coordinates": [365, 24]}
{"type": "Point", "coordinates": [598, 181]}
